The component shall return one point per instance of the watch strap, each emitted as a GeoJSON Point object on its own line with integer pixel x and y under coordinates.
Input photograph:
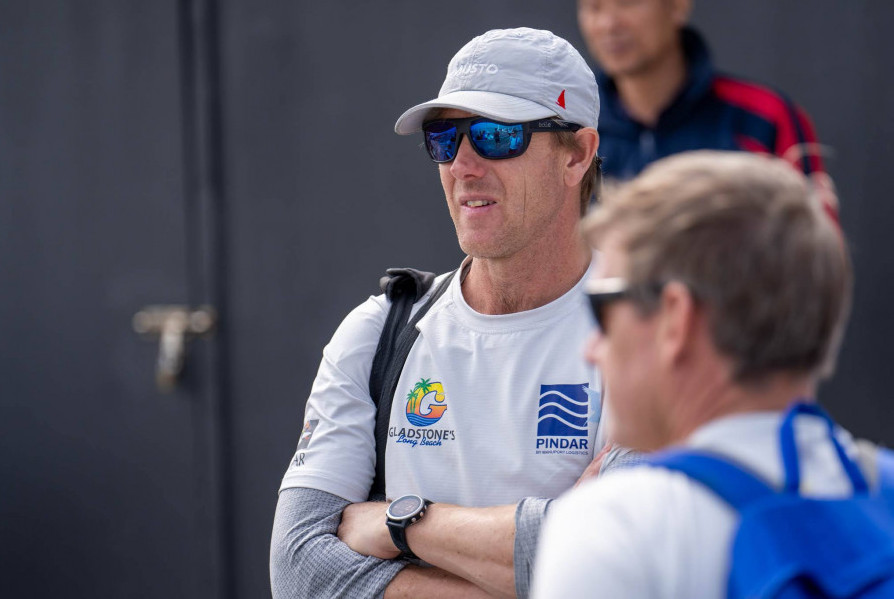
{"type": "Point", "coordinates": [399, 538]}
{"type": "Point", "coordinates": [398, 530]}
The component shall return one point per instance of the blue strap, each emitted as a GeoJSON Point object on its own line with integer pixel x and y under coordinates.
{"type": "Point", "coordinates": [790, 451]}
{"type": "Point", "coordinates": [885, 461]}
{"type": "Point", "coordinates": [731, 482]}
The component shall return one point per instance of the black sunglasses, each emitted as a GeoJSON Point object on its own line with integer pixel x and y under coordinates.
{"type": "Point", "coordinates": [602, 292]}
{"type": "Point", "coordinates": [491, 139]}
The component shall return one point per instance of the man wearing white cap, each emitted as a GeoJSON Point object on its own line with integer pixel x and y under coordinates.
{"type": "Point", "coordinates": [494, 406]}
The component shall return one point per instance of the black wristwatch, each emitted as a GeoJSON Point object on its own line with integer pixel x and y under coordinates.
{"type": "Point", "coordinates": [402, 512]}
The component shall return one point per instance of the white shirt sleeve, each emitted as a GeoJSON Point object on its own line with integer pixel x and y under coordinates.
{"type": "Point", "coordinates": [336, 452]}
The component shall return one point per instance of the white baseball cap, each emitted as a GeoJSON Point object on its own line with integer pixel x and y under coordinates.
{"type": "Point", "coordinates": [515, 75]}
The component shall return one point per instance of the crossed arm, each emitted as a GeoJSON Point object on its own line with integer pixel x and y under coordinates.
{"type": "Point", "coordinates": [307, 559]}
{"type": "Point", "coordinates": [324, 546]}
{"type": "Point", "coordinates": [491, 547]}
{"type": "Point", "coordinates": [528, 516]}
{"type": "Point", "coordinates": [476, 544]}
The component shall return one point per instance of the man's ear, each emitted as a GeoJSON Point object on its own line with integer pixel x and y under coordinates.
{"type": "Point", "coordinates": [581, 157]}
{"type": "Point", "coordinates": [677, 326]}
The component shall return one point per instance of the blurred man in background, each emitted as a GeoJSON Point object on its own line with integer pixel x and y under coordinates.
{"type": "Point", "coordinates": [722, 297]}
{"type": "Point", "coordinates": [660, 95]}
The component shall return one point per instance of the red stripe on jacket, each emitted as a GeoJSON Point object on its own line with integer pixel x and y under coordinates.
{"type": "Point", "coordinates": [772, 107]}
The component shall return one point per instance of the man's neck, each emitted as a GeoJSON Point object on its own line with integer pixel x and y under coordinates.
{"type": "Point", "coordinates": [712, 399]}
{"type": "Point", "coordinates": [524, 281]}
{"type": "Point", "coordinates": [647, 93]}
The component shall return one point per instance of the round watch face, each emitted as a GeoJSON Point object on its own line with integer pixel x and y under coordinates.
{"type": "Point", "coordinates": [406, 506]}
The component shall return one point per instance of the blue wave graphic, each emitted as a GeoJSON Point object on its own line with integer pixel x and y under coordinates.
{"type": "Point", "coordinates": [579, 427]}
{"type": "Point", "coordinates": [419, 421]}
{"type": "Point", "coordinates": [557, 411]}
{"type": "Point", "coordinates": [563, 410]}
{"type": "Point", "coordinates": [561, 397]}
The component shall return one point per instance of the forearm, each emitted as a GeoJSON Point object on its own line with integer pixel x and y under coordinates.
{"type": "Point", "coordinates": [432, 583]}
{"type": "Point", "coordinates": [308, 560]}
{"type": "Point", "coordinates": [476, 544]}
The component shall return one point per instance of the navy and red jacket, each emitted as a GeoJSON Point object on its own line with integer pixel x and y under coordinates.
{"type": "Point", "coordinates": [712, 111]}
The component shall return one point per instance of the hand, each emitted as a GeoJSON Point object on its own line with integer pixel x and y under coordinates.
{"type": "Point", "coordinates": [363, 529]}
{"type": "Point", "coordinates": [592, 470]}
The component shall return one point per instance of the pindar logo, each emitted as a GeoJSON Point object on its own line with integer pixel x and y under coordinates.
{"type": "Point", "coordinates": [563, 410]}
{"type": "Point", "coordinates": [561, 100]}
{"type": "Point", "coordinates": [426, 403]}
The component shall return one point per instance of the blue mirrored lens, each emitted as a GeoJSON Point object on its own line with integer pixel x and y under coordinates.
{"type": "Point", "coordinates": [497, 140]}
{"type": "Point", "coordinates": [440, 139]}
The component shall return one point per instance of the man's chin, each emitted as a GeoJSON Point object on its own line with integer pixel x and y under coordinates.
{"type": "Point", "coordinates": [482, 249]}
{"type": "Point", "coordinates": [625, 69]}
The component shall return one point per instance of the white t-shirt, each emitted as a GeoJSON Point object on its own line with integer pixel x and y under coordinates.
{"type": "Point", "coordinates": [488, 409]}
{"type": "Point", "coordinates": [653, 533]}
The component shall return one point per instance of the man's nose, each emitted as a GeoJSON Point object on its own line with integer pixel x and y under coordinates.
{"type": "Point", "coordinates": [467, 164]}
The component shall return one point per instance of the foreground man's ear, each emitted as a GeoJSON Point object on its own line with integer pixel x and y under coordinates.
{"type": "Point", "coordinates": [679, 322]}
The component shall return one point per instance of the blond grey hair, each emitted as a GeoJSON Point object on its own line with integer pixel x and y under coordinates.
{"type": "Point", "coordinates": [742, 232]}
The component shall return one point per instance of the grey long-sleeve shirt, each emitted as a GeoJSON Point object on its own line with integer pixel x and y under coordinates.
{"type": "Point", "coordinates": [308, 560]}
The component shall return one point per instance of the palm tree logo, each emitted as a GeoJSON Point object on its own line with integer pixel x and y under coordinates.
{"type": "Point", "coordinates": [419, 391]}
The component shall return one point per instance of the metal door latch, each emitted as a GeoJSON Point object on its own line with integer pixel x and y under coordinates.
{"type": "Point", "coordinates": [174, 326]}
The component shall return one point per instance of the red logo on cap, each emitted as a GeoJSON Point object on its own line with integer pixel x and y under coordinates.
{"type": "Point", "coordinates": [561, 100]}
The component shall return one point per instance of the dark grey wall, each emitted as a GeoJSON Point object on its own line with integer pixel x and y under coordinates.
{"type": "Point", "coordinates": [318, 196]}
{"type": "Point", "coordinates": [103, 490]}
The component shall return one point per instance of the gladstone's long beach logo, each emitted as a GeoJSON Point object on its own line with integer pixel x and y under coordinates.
{"type": "Point", "coordinates": [426, 403]}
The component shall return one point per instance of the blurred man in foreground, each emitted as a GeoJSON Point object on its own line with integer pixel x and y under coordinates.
{"type": "Point", "coordinates": [722, 297]}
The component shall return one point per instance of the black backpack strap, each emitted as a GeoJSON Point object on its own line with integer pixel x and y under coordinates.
{"type": "Point", "coordinates": [404, 287]}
